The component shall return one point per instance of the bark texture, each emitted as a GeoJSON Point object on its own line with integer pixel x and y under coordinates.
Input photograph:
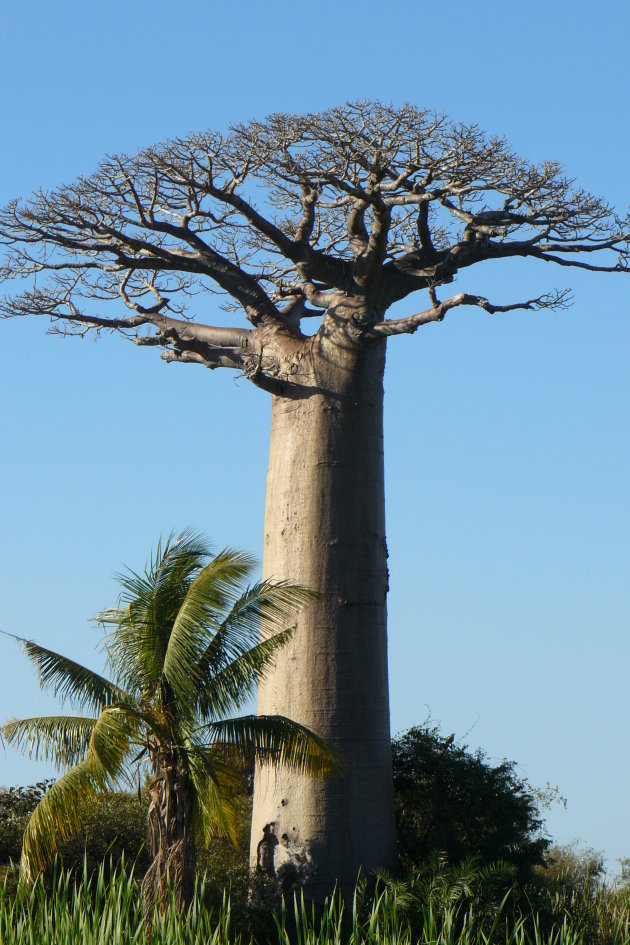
{"type": "Point", "coordinates": [325, 527]}
{"type": "Point", "coordinates": [172, 840]}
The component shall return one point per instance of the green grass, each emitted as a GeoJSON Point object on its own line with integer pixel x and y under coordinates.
{"type": "Point", "coordinates": [106, 910]}
{"type": "Point", "coordinates": [103, 911]}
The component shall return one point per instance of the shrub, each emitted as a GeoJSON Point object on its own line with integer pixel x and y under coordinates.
{"type": "Point", "coordinates": [111, 827]}
{"type": "Point", "coordinates": [456, 802]}
{"type": "Point", "coordinates": [16, 806]}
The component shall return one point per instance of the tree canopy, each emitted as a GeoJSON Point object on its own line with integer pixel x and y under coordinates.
{"type": "Point", "coordinates": [281, 217]}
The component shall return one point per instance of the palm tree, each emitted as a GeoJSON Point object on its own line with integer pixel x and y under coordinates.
{"type": "Point", "coordinates": [185, 648]}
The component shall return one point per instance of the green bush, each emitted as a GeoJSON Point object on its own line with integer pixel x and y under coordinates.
{"type": "Point", "coordinates": [567, 870]}
{"type": "Point", "coordinates": [456, 802]}
{"type": "Point", "coordinates": [572, 883]}
{"type": "Point", "coordinates": [111, 827]}
{"type": "Point", "coordinates": [16, 806]}
{"type": "Point", "coordinates": [447, 799]}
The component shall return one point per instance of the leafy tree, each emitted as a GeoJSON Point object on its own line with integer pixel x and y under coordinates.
{"type": "Point", "coordinates": [456, 802]}
{"type": "Point", "coordinates": [185, 646]}
{"type": "Point", "coordinates": [16, 806]}
{"type": "Point", "coordinates": [111, 826]}
{"type": "Point", "coordinates": [332, 218]}
{"type": "Point", "coordinates": [568, 870]}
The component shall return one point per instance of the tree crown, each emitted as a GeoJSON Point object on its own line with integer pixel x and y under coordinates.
{"type": "Point", "coordinates": [350, 209]}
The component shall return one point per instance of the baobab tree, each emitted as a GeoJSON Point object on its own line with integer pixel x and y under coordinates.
{"type": "Point", "coordinates": [326, 220]}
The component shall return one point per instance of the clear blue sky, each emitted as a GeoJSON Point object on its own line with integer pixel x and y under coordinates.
{"type": "Point", "coordinates": [507, 436]}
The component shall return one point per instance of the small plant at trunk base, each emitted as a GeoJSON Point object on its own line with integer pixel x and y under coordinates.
{"type": "Point", "coordinates": [185, 647]}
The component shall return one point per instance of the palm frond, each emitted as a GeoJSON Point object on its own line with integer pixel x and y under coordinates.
{"type": "Point", "coordinates": [147, 720]}
{"type": "Point", "coordinates": [111, 741]}
{"type": "Point", "coordinates": [64, 740]}
{"type": "Point", "coordinates": [141, 628]}
{"type": "Point", "coordinates": [276, 740]}
{"type": "Point", "coordinates": [123, 648]}
{"type": "Point", "coordinates": [214, 810]}
{"type": "Point", "coordinates": [57, 817]}
{"type": "Point", "coordinates": [263, 609]}
{"type": "Point", "coordinates": [228, 768]}
{"type": "Point", "coordinates": [214, 588]}
{"type": "Point", "coordinates": [58, 814]}
{"type": "Point", "coordinates": [69, 680]}
{"type": "Point", "coordinates": [229, 689]}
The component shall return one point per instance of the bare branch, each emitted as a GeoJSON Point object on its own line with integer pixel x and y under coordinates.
{"type": "Point", "coordinates": [357, 232]}
{"type": "Point", "coordinates": [304, 229]}
{"type": "Point", "coordinates": [212, 359]}
{"type": "Point", "coordinates": [623, 264]}
{"type": "Point", "coordinates": [424, 231]}
{"type": "Point", "coordinates": [410, 323]}
{"type": "Point", "coordinates": [367, 202]}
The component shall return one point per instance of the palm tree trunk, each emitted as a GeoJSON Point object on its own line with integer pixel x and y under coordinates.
{"type": "Point", "coordinates": [174, 863]}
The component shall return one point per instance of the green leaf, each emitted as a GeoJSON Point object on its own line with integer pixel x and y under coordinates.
{"type": "Point", "coordinates": [141, 629]}
{"type": "Point", "coordinates": [211, 591]}
{"type": "Point", "coordinates": [228, 690]}
{"type": "Point", "coordinates": [277, 740]}
{"type": "Point", "coordinates": [57, 817]}
{"type": "Point", "coordinates": [111, 741]}
{"type": "Point", "coordinates": [69, 680]}
{"type": "Point", "coordinates": [214, 810]}
{"type": "Point", "coordinates": [64, 740]}
{"type": "Point", "coordinates": [263, 609]}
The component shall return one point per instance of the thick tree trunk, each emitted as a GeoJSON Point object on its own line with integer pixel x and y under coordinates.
{"type": "Point", "coordinates": [325, 528]}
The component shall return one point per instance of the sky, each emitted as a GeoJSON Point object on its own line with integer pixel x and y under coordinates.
{"type": "Point", "coordinates": [507, 449]}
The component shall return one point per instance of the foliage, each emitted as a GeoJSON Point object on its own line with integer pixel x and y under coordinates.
{"type": "Point", "coordinates": [457, 900]}
{"type": "Point", "coordinates": [572, 883]}
{"type": "Point", "coordinates": [454, 801]}
{"type": "Point", "coordinates": [104, 909]}
{"type": "Point", "coordinates": [16, 806]}
{"type": "Point", "coordinates": [470, 894]}
{"type": "Point", "coordinates": [186, 645]}
{"type": "Point", "coordinates": [107, 909]}
{"type": "Point", "coordinates": [567, 869]}
{"type": "Point", "coordinates": [446, 800]}
{"type": "Point", "coordinates": [113, 827]}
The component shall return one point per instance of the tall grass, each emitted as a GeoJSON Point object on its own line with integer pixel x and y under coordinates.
{"type": "Point", "coordinates": [106, 909]}
{"type": "Point", "coordinates": [385, 923]}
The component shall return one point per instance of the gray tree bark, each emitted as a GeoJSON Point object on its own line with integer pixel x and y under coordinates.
{"type": "Point", "coordinates": [325, 528]}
